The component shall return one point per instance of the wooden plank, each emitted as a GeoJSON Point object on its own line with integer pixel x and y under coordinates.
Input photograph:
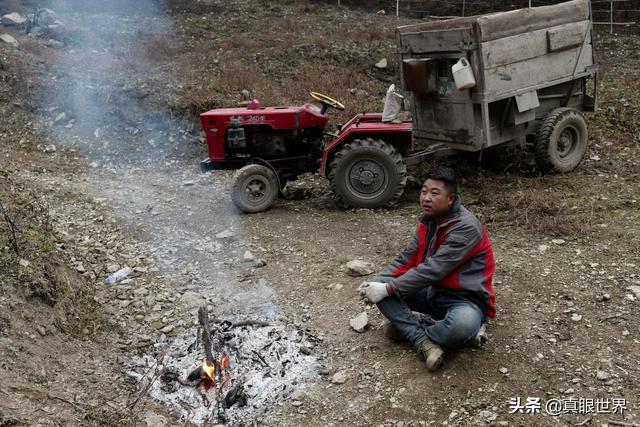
{"type": "Point", "coordinates": [448, 24]}
{"type": "Point", "coordinates": [525, 46]}
{"type": "Point", "coordinates": [435, 41]}
{"type": "Point", "coordinates": [505, 24]}
{"type": "Point", "coordinates": [536, 71]}
{"type": "Point", "coordinates": [566, 36]}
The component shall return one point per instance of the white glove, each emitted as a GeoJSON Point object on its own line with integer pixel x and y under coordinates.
{"type": "Point", "coordinates": [374, 292]}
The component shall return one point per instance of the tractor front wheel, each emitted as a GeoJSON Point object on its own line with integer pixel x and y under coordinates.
{"type": "Point", "coordinates": [254, 188]}
{"type": "Point", "coordinates": [367, 173]}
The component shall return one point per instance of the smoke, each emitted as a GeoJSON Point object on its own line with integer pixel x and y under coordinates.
{"type": "Point", "coordinates": [108, 100]}
{"type": "Point", "coordinates": [103, 98]}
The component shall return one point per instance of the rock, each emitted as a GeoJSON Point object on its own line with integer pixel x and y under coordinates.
{"type": "Point", "coordinates": [155, 420]}
{"type": "Point", "coordinates": [606, 297]}
{"type": "Point", "coordinates": [188, 183]}
{"type": "Point", "coordinates": [557, 241]}
{"type": "Point", "coordinates": [24, 263]}
{"type": "Point", "coordinates": [339, 377]}
{"type": "Point", "coordinates": [55, 44]}
{"type": "Point", "coordinates": [60, 117]}
{"type": "Point", "coordinates": [296, 403]}
{"type": "Point", "coordinates": [80, 268]}
{"type": "Point", "coordinates": [382, 64]}
{"type": "Point", "coordinates": [51, 148]}
{"type": "Point", "coordinates": [14, 18]}
{"type": "Point", "coordinates": [226, 234]}
{"type": "Point", "coordinates": [635, 290]}
{"type": "Point", "coordinates": [569, 391]}
{"type": "Point", "coordinates": [543, 248]}
{"type": "Point", "coordinates": [140, 292]}
{"type": "Point", "coordinates": [602, 375]}
{"type": "Point", "coordinates": [504, 371]}
{"type": "Point", "coordinates": [248, 256]}
{"type": "Point", "coordinates": [358, 267]}
{"type": "Point", "coordinates": [7, 38]}
{"type": "Point", "coordinates": [167, 329]}
{"type": "Point", "coordinates": [360, 322]}
{"type": "Point", "coordinates": [298, 395]}
{"type": "Point", "coordinates": [576, 317]}
{"type": "Point", "coordinates": [487, 415]}
{"type": "Point", "coordinates": [41, 330]}
{"type": "Point", "coordinates": [259, 263]}
{"type": "Point", "coordinates": [192, 300]}
{"type": "Point", "coordinates": [48, 17]}
{"type": "Point", "coordinates": [112, 268]}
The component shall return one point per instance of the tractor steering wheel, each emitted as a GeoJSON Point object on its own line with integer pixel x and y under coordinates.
{"type": "Point", "coordinates": [326, 102]}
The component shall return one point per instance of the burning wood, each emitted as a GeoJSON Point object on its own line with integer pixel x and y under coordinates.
{"type": "Point", "coordinates": [211, 368]}
{"type": "Point", "coordinates": [241, 367]}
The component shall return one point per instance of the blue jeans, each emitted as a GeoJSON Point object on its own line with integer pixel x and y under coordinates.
{"type": "Point", "coordinates": [458, 319]}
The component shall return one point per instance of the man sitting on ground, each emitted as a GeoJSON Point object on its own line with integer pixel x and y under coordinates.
{"type": "Point", "coordinates": [446, 273]}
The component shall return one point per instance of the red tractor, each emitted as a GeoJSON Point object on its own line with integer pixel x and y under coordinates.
{"type": "Point", "coordinates": [274, 145]}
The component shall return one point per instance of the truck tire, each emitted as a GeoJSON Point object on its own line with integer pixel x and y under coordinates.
{"type": "Point", "coordinates": [367, 173]}
{"type": "Point", "coordinates": [561, 141]}
{"type": "Point", "coordinates": [254, 188]}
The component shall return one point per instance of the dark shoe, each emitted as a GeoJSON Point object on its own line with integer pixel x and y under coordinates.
{"type": "Point", "coordinates": [392, 333]}
{"type": "Point", "coordinates": [432, 354]}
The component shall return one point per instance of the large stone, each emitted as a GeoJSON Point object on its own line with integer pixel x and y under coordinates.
{"type": "Point", "coordinates": [48, 17]}
{"type": "Point", "coordinates": [226, 234]}
{"type": "Point", "coordinates": [339, 377]}
{"type": "Point", "coordinates": [635, 290]}
{"type": "Point", "coordinates": [7, 38]}
{"type": "Point", "coordinates": [13, 19]}
{"type": "Point", "coordinates": [358, 267]}
{"type": "Point", "coordinates": [382, 64]}
{"type": "Point", "coordinates": [360, 322]}
{"type": "Point", "coordinates": [192, 300]}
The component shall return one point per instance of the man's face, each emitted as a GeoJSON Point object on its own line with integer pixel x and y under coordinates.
{"type": "Point", "coordinates": [435, 200]}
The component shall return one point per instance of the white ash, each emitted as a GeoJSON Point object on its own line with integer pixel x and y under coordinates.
{"type": "Point", "coordinates": [280, 368]}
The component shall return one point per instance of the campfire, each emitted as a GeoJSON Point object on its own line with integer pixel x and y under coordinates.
{"type": "Point", "coordinates": [229, 372]}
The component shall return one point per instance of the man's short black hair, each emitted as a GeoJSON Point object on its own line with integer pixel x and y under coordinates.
{"type": "Point", "coordinates": [446, 175]}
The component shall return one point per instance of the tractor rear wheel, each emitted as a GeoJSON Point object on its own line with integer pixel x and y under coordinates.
{"type": "Point", "coordinates": [254, 188]}
{"type": "Point", "coordinates": [367, 173]}
{"type": "Point", "coordinates": [561, 140]}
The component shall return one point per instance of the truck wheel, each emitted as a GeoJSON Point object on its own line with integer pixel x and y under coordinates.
{"type": "Point", "coordinates": [254, 188]}
{"type": "Point", "coordinates": [367, 173]}
{"type": "Point", "coordinates": [561, 141]}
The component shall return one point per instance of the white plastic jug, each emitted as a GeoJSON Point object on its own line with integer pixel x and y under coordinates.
{"type": "Point", "coordinates": [463, 74]}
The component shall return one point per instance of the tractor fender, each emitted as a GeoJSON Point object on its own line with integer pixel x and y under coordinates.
{"type": "Point", "coordinates": [367, 126]}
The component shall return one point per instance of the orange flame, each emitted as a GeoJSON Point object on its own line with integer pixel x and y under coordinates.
{"type": "Point", "coordinates": [210, 370]}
